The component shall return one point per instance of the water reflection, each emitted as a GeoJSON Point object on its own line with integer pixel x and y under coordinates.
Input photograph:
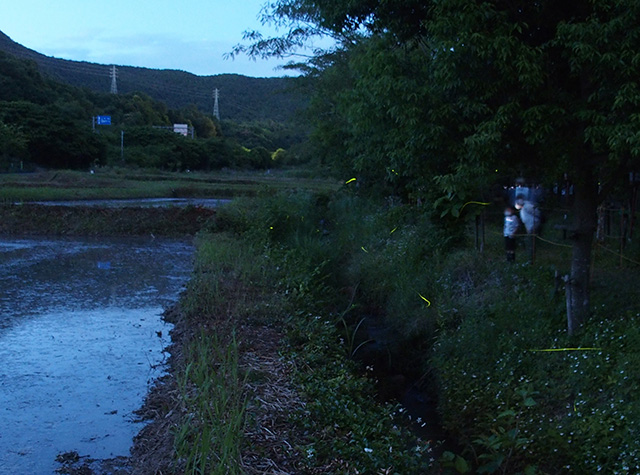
{"type": "Point", "coordinates": [81, 339]}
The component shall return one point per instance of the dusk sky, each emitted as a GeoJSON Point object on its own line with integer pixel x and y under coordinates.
{"type": "Point", "coordinates": [191, 36]}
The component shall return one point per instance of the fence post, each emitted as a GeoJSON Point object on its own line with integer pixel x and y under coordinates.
{"type": "Point", "coordinates": [621, 233]}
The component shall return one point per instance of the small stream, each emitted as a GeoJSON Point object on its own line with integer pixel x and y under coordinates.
{"type": "Point", "coordinates": [81, 341]}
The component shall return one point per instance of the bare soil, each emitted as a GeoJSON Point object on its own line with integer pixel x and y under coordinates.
{"type": "Point", "coordinates": [31, 219]}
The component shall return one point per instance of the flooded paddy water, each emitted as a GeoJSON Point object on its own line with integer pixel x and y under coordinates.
{"type": "Point", "coordinates": [140, 203]}
{"type": "Point", "coordinates": [81, 341]}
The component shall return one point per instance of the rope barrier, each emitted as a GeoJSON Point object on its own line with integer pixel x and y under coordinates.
{"type": "Point", "coordinates": [550, 242]}
{"type": "Point", "coordinates": [537, 236]}
{"type": "Point", "coordinates": [619, 255]}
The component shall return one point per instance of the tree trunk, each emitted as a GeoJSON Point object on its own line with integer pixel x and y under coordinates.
{"type": "Point", "coordinates": [585, 215]}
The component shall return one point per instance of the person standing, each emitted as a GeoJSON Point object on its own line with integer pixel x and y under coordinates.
{"type": "Point", "coordinates": [511, 225]}
{"type": "Point", "coordinates": [529, 215]}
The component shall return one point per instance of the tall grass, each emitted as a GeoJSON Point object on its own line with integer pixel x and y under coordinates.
{"type": "Point", "coordinates": [208, 441]}
{"type": "Point", "coordinates": [226, 273]}
{"type": "Point", "coordinates": [307, 247]}
{"type": "Point", "coordinates": [211, 383]}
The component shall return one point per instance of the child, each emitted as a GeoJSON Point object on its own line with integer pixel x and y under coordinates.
{"type": "Point", "coordinates": [511, 224]}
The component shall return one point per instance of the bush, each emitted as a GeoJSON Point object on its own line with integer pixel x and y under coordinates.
{"type": "Point", "coordinates": [352, 431]}
{"type": "Point", "coordinates": [517, 391]}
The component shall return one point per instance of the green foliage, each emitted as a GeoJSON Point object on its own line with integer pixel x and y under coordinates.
{"type": "Point", "coordinates": [351, 430]}
{"type": "Point", "coordinates": [267, 134]}
{"type": "Point", "coordinates": [49, 124]}
{"type": "Point", "coordinates": [344, 427]}
{"type": "Point", "coordinates": [13, 147]}
{"type": "Point", "coordinates": [208, 440]}
{"type": "Point", "coordinates": [435, 101]}
{"type": "Point", "coordinates": [328, 245]}
{"type": "Point", "coordinates": [50, 138]}
{"type": "Point", "coordinates": [20, 80]}
{"type": "Point", "coordinates": [517, 390]}
{"type": "Point", "coordinates": [311, 241]}
{"type": "Point", "coordinates": [223, 270]}
{"type": "Point", "coordinates": [454, 461]}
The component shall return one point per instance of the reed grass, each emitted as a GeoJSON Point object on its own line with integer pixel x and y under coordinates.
{"type": "Point", "coordinates": [208, 441]}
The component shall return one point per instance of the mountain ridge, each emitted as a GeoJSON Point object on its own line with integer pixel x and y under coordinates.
{"type": "Point", "coordinates": [242, 98]}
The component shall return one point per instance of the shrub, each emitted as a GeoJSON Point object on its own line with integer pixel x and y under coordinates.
{"type": "Point", "coordinates": [520, 393]}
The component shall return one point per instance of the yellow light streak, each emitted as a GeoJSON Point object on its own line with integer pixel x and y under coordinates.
{"type": "Point", "coordinates": [474, 203]}
{"type": "Point", "coordinates": [549, 350]}
{"type": "Point", "coordinates": [425, 299]}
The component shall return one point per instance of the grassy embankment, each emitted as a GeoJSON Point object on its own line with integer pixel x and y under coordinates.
{"type": "Point", "coordinates": [266, 382]}
{"type": "Point", "coordinates": [488, 340]}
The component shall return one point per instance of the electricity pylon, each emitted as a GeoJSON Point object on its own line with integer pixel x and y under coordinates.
{"type": "Point", "coordinates": [114, 83]}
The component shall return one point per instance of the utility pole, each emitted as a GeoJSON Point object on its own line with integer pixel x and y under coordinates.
{"type": "Point", "coordinates": [216, 110]}
{"type": "Point", "coordinates": [114, 83]}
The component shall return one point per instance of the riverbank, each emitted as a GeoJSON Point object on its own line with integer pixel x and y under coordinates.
{"type": "Point", "coordinates": [290, 400]}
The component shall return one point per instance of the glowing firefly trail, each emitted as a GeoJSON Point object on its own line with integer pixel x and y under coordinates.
{"type": "Point", "coordinates": [425, 299]}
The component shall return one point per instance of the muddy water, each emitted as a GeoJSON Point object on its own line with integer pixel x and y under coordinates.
{"type": "Point", "coordinates": [81, 340]}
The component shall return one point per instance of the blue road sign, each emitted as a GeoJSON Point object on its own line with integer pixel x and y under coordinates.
{"type": "Point", "coordinates": [103, 120]}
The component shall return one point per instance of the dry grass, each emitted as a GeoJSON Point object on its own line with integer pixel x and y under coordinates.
{"type": "Point", "coordinates": [271, 439]}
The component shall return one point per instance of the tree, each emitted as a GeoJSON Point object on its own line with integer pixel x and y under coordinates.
{"type": "Point", "coordinates": [557, 80]}
{"type": "Point", "coordinates": [541, 87]}
{"type": "Point", "coordinates": [13, 146]}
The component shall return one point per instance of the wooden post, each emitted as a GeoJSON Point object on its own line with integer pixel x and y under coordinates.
{"type": "Point", "coordinates": [567, 288]}
{"type": "Point", "coordinates": [533, 248]}
{"type": "Point", "coordinates": [483, 231]}
{"type": "Point", "coordinates": [621, 233]}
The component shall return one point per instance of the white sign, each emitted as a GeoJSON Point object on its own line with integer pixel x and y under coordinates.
{"type": "Point", "coordinates": [181, 129]}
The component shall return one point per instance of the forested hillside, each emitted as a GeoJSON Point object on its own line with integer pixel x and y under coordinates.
{"type": "Point", "coordinates": [242, 98]}
{"type": "Point", "coordinates": [46, 123]}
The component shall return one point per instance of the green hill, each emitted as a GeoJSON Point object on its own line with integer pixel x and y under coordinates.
{"type": "Point", "coordinates": [241, 99]}
{"type": "Point", "coordinates": [48, 123]}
